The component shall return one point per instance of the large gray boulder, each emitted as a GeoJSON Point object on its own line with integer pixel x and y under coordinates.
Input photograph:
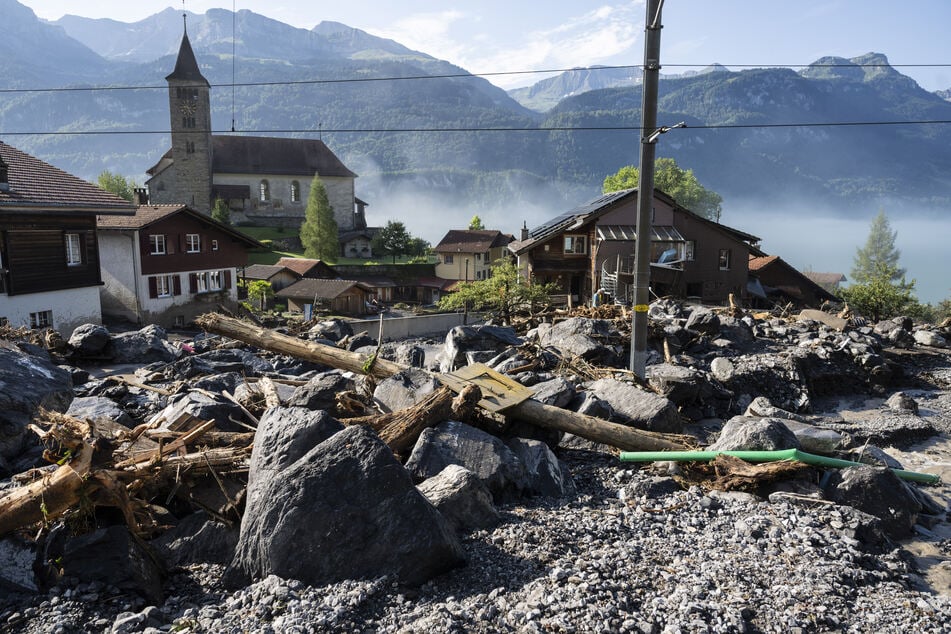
{"type": "Point", "coordinates": [755, 434]}
{"type": "Point", "coordinates": [678, 383]}
{"type": "Point", "coordinates": [483, 454]}
{"type": "Point", "coordinates": [89, 340]}
{"type": "Point", "coordinates": [346, 509]}
{"type": "Point", "coordinates": [320, 392]}
{"type": "Point", "coordinates": [545, 475]}
{"type": "Point", "coordinates": [96, 407]}
{"type": "Point", "coordinates": [594, 340]}
{"type": "Point", "coordinates": [204, 407]}
{"type": "Point", "coordinates": [143, 346]}
{"type": "Point", "coordinates": [879, 492]}
{"type": "Point", "coordinates": [462, 498]}
{"type": "Point", "coordinates": [404, 389]}
{"type": "Point", "coordinates": [27, 383]}
{"type": "Point", "coordinates": [284, 436]}
{"type": "Point", "coordinates": [638, 408]}
{"type": "Point", "coordinates": [475, 344]}
{"type": "Point", "coordinates": [197, 539]}
{"type": "Point", "coordinates": [777, 377]}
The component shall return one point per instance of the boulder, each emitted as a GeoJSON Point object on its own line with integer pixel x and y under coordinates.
{"type": "Point", "coordinates": [930, 338]}
{"type": "Point", "coordinates": [197, 539]}
{"type": "Point", "coordinates": [143, 346]}
{"type": "Point", "coordinates": [545, 474]}
{"type": "Point", "coordinates": [346, 509]}
{"type": "Point", "coordinates": [879, 492]}
{"type": "Point", "coordinates": [204, 407]}
{"type": "Point", "coordinates": [755, 434]}
{"type": "Point", "coordinates": [469, 344]}
{"type": "Point", "coordinates": [95, 407]}
{"type": "Point", "coordinates": [320, 392]}
{"type": "Point", "coordinates": [27, 383]}
{"type": "Point", "coordinates": [331, 329]}
{"type": "Point", "coordinates": [556, 392]}
{"type": "Point", "coordinates": [483, 454]}
{"type": "Point", "coordinates": [404, 389]}
{"type": "Point", "coordinates": [284, 435]}
{"type": "Point", "coordinates": [637, 407]}
{"type": "Point", "coordinates": [675, 382]}
{"type": "Point", "coordinates": [776, 376]}
{"type": "Point", "coordinates": [16, 572]}
{"type": "Point", "coordinates": [704, 321]}
{"type": "Point", "coordinates": [902, 402]}
{"type": "Point", "coordinates": [462, 498]}
{"type": "Point", "coordinates": [89, 340]}
{"type": "Point", "coordinates": [588, 339]}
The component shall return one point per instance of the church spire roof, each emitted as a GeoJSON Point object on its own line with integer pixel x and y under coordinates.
{"type": "Point", "coordinates": [186, 66]}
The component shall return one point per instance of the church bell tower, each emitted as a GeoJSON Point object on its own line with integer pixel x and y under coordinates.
{"type": "Point", "coordinates": [189, 102]}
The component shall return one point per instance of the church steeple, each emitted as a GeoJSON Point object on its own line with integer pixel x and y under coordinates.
{"type": "Point", "coordinates": [189, 101]}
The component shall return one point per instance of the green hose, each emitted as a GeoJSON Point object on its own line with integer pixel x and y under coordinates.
{"type": "Point", "coordinates": [766, 456]}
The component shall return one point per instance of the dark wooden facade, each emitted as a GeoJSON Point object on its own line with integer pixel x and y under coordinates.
{"type": "Point", "coordinates": [33, 252]}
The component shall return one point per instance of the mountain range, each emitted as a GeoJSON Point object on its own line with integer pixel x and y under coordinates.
{"type": "Point", "coordinates": [842, 134]}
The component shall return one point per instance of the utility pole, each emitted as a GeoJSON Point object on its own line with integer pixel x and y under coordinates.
{"type": "Point", "coordinates": [645, 187]}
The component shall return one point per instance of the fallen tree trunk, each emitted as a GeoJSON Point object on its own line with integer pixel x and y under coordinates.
{"type": "Point", "coordinates": [620, 436]}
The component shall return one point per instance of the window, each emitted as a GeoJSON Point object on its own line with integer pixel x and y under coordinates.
{"type": "Point", "coordinates": [295, 192]}
{"type": "Point", "coordinates": [265, 191]}
{"type": "Point", "coordinates": [214, 245]}
{"type": "Point", "coordinates": [208, 281]}
{"type": "Point", "coordinates": [447, 259]}
{"type": "Point", "coordinates": [163, 286]}
{"type": "Point", "coordinates": [157, 242]}
{"type": "Point", "coordinates": [74, 255]}
{"type": "Point", "coordinates": [691, 247]}
{"type": "Point", "coordinates": [724, 259]}
{"type": "Point", "coordinates": [192, 243]}
{"type": "Point", "coordinates": [576, 244]}
{"type": "Point", "coordinates": [189, 147]}
{"type": "Point", "coordinates": [42, 319]}
{"type": "Point", "coordinates": [478, 257]}
{"type": "Point", "coordinates": [214, 280]}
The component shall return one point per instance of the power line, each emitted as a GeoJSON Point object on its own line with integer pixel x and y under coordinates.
{"type": "Point", "coordinates": [356, 80]}
{"type": "Point", "coordinates": [620, 128]}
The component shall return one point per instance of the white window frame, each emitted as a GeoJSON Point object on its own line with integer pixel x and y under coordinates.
{"type": "Point", "coordinates": [192, 243]}
{"type": "Point", "coordinates": [214, 245]}
{"type": "Point", "coordinates": [572, 240]}
{"type": "Point", "coordinates": [215, 280]}
{"type": "Point", "coordinates": [264, 191]}
{"type": "Point", "coordinates": [74, 255]}
{"type": "Point", "coordinates": [295, 191]}
{"type": "Point", "coordinates": [157, 244]}
{"type": "Point", "coordinates": [41, 319]}
{"type": "Point", "coordinates": [163, 285]}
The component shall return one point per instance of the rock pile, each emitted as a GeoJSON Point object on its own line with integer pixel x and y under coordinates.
{"type": "Point", "coordinates": [283, 515]}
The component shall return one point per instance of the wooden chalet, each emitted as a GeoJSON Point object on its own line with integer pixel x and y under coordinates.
{"type": "Point", "coordinates": [345, 297]}
{"type": "Point", "coordinates": [167, 264]}
{"type": "Point", "coordinates": [49, 256]}
{"type": "Point", "coordinates": [775, 281]}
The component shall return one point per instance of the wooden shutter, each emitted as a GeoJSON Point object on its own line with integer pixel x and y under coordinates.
{"type": "Point", "coordinates": [169, 245]}
{"type": "Point", "coordinates": [193, 282]}
{"type": "Point", "coordinates": [176, 285]}
{"type": "Point", "coordinates": [153, 288]}
{"type": "Point", "coordinates": [227, 279]}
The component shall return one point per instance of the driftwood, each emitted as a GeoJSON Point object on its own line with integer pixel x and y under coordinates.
{"type": "Point", "coordinates": [595, 429]}
{"type": "Point", "coordinates": [400, 429]}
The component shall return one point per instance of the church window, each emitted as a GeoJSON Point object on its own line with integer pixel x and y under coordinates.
{"type": "Point", "coordinates": [265, 191]}
{"type": "Point", "coordinates": [295, 192]}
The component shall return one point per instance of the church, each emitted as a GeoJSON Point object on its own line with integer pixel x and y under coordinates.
{"type": "Point", "coordinates": [265, 181]}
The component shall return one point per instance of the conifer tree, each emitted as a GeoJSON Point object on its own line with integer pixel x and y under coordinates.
{"type": "Point", "coordinates": [318, 233]}
{"type": "Point", "coordinates": [878, 254]}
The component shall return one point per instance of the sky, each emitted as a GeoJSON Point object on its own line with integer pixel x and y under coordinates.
{"type": "Point", "coordinates": [494, 36]}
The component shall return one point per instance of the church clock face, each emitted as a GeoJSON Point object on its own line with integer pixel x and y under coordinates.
{"type": "Point", "coordinates": [187, 108]}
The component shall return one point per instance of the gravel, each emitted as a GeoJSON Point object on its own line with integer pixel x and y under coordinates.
{"type": "Point", "coordinates": [610, 559]}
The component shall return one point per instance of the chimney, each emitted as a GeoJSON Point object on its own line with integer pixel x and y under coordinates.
{"type": "Point", "coordinates": [140, 196]}
{"type": "Point", "coordinates": [524, 235]}
{"type": "Point", "coordinates": [4, 177]}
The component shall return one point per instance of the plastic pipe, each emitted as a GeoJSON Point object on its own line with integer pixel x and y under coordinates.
{"type": "Point", "coordinates": [766, 456]}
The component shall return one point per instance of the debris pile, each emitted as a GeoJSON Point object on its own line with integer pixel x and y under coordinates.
{"type": "Point", "coordinates": [322, 456]}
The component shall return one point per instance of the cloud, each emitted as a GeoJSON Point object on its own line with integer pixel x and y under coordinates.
{"type": "Point", "coordinates": [598, 36]}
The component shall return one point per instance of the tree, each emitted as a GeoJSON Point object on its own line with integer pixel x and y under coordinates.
{"type": "Point", "coordinates": [221, 212]}
{"type": "Point", "coordinates": [117, 184]}
{"type": "Point", "coordinates": [476, 223]}
{"type": "Point", "coordinates": [318, 233]}
{"type": "Point", "coordinates": [679, 184]}
{"type": "Point", "coordinates": [880, 296]}
{"type": "Point", "coordinates": [393, 240]}
{"type": "Point", "coordinates": [879, 251]}
{"type": "Point", "coordinates": [502, 292]}
{"type": "Point", "coordinates": [260, 291]}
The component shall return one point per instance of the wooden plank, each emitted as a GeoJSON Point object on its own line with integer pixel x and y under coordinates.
{"type": "Point", "coordinates": [499, 392]}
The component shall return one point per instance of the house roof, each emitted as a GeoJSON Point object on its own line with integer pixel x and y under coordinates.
{"type": "Point", "coordinates": [435, 282]}
{"type": "Point", "coordinates": [303, 266]}
{"type": "Point", "coordinates": [147, 215]}
{"type": "Point", "coordinates": [36, 185]}
{"type": "Point", "coordinates": [265, 271]}
{"type": "Point", "coordinates": [375, 281]}
{"type": "Point", "coordinates": [627, 233]}
{"type": "Point", "coordinates": [311, 288]}
{"type": "Point", "coordinates": [823, 279]}
{"type": "Point", "coordinates": [796, 280]}
{"type": "Point", "coordinates": [472, 241]}
{"type": "Point", "coordinates": [272, 155]}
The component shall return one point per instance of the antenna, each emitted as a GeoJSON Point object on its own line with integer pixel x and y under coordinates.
{"type": "Point", "coordinates": [233, 57]}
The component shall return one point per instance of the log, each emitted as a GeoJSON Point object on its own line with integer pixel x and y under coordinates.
{"type": "Point", "coordinates": [620, 436]}
{"type": "Point", "coordinates": [400, 429]}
